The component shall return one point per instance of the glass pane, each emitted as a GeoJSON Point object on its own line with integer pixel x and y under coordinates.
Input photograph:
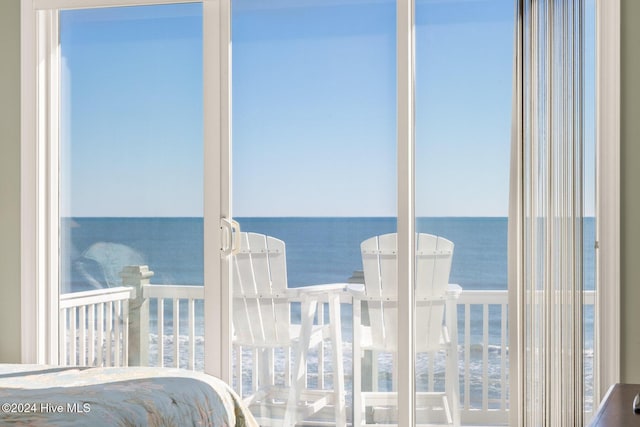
{"type": "Point", "coordinates": [314, 168]}
{"type": "Point", "coordinates": [131, 180]}
{"type": "Point", "coordinates": [464, 69]}
{"type": "Point", "coordinates": [589, 225]}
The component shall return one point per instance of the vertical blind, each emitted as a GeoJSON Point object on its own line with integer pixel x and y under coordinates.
{"type": "Point", "coordinates": [551, 151]}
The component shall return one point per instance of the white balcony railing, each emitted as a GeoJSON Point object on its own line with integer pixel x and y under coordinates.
{"type": "Point", "coordinates": [188, 342]}
{"type": "Point", "coordinates": [96, 325]}
{"type": "Point", "coordinates": [173, 336]}
{"type": "Point", "coordinates": [484, 365]}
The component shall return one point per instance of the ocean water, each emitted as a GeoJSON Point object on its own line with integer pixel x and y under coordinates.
{"type": "Point", "coordinates": [319, 250]}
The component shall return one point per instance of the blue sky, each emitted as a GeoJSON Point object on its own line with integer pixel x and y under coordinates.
{"type": "Point", "coordinates": [132, 112]}
{"type": "Point", "coordinates": [314, 109]}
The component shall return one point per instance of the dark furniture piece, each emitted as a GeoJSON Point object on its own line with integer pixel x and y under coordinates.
{"type": "Point", "coordinates": [617, 407]}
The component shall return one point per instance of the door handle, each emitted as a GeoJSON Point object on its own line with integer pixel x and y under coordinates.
{"type": "Point", "coordinates": [230, 237]}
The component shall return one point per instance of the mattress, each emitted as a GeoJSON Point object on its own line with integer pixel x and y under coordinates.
{"type": "Point", "coordinates": [134, 396]}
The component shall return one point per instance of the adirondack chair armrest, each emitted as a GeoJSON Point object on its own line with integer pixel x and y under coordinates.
{"type": "Point", "coordinates": [356, 289]}
{"type": "Point", "coordinates": [276, 296]}
{"type": "Point", "coordinates": [317, 290]}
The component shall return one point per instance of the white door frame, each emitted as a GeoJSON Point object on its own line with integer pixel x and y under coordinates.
{"type": "Point", "coordinates": [217, 185]}
{"type": "Point", "coordinates": [405, 64]}
{"type": "Point", "coordinates": [39, 185]}
{"type": "Point", "coordinates": [39, 161]}
{"type": "Point", "coordinates": [39, 177]}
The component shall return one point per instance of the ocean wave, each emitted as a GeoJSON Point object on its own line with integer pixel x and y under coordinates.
{"type": "Point", "coordinates": [430, 369]}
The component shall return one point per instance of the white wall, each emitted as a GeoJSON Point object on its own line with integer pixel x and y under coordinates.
{"type": "Point", "coordinates": [9, 180]}
{"type": "Point", "coordinates": [630, 191]}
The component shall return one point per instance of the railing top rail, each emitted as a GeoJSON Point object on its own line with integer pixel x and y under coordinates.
{"type": "Point", "coordinates": [77, 299]}
{"type": "Point", "coordinates": [488, 296]}
{"type": "Point", "coordinates": [483, 297]}
{"type": "Point", "coordinates": [493, 296]}
{"type": "Point", "coordinates": [173, 291]}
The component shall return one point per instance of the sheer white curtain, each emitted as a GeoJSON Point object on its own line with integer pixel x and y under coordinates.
{"type": "Point", "coordinates": [547, 213]}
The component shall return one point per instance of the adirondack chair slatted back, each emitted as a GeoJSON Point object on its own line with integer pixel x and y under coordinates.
{"type": "Point", "coordinates": [261, 308]}
{"type": "Point", "coordinates": [433, 264]}
{"type": "Point", "coordinates": [379, 261]}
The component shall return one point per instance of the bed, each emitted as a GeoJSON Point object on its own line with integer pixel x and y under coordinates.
{"type": "Point", "coordinates": [133, 396]}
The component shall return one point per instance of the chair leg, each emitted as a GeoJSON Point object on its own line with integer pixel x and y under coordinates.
{"type": "Point", "coordinates": [338, 369]}
{"type": "Point", "coordinates": [264, 368]}
{"type": "Point", "coordinates": [263, 378]}
{"type": "Point", "coordinates": [308, 309]}
{"type": "Point", "coordinates": [321, 373]}
{"type": "Point", "coordinates": [453, 384]}
{"type": "Point", "coordinates": [357, 364]}
{"type": "Point", "coordinates": [394, 372]}
{"type": "Point", "coordinates": [287, 366]}
{"type": "Point", "coordinates": [375, 378]}
{"type": "Point", "coordinates": [254, 369]}
{"type": "Point", "coordinates": [239, 385]}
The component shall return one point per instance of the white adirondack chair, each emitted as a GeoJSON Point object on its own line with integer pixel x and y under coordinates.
{"type": "Point", "coordinates": [262, 322]}
{"type": "Point", "coordinates": [432, 294]}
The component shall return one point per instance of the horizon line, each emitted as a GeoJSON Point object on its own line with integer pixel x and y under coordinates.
{"type": "Point", "coordinates": [288, 217]}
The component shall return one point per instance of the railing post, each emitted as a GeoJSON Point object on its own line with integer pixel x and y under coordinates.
{"type": "Point", "coordinates": [137, 276]}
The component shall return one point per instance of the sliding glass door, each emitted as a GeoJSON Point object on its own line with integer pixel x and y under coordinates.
{"type": "Point", "coordinates": [464, 84]}
{"type": "Point", "coordinates": [313, 176]}
{"type": "Point", "coordinates": [276, 192]}
{"type": "Point", "coordinates": [131, 185]}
